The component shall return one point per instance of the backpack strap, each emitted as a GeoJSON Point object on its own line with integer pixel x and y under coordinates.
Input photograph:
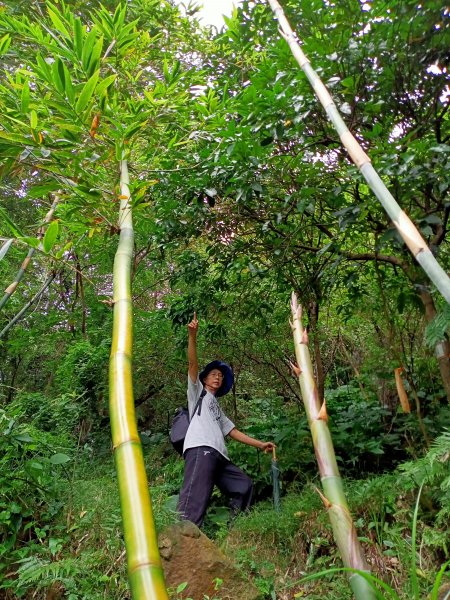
{"type": "Point", "coordinates": [198, 404]}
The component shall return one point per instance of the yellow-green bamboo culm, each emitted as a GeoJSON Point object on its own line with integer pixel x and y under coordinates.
{"type": "Point", "coordinates": [400, 219]}
{"type": "Point", "coordinates": [145, 574]}
{"type": "Point", "coordinates": [21, 272]}
{"type": "Point", "coordinates": [333, 494]}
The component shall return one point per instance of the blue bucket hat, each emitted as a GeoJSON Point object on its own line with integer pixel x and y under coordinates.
{"type": "Point", "coordinates": [226, 370]}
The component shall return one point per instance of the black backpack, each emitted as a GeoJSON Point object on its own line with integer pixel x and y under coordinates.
{"type": "Point", "coordinates": [180, 424]}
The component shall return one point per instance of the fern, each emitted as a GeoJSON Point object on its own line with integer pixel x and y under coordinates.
{"type": "Point", "coordinates": [433, 470]}
{"type": "Point", "coordinates": [36, 570]}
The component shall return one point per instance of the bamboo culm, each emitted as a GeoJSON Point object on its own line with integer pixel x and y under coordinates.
{"type": "Point", "coordinates": [333, 495]}
{"type": "Point", "coordinates": [145, 574]}
{"type": "Point", "coordinates": [402, 222]}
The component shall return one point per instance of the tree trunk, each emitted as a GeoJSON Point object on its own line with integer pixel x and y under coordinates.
{"type": "Point", "coordinates": [320, 375]}
{"type": "Point", "coordinates": [442, 348]}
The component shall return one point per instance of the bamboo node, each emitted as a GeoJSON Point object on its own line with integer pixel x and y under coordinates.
{"type": "Point", "coordinates": [11, 288]}
{"type": "Point", "coordinates": [305, 338]}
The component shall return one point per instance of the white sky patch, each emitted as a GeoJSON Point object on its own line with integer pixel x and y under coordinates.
{"type": "Point", "coordinates": [211, 11]}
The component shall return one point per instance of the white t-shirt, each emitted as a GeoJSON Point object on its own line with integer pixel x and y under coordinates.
{"type": "Point", "coordinates": [210, 427]}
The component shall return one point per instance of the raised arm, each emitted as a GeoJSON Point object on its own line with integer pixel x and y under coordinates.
{"type": "Point", "coordinates": [237, 435]}
{"type": "Point", "coordinates": [192, 349]}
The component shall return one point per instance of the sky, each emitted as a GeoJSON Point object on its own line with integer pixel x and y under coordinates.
{"type": "Point", "coordinates": [212, 10]}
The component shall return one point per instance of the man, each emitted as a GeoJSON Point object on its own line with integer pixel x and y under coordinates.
{"type": "Point", "coordinates": [204, 452]}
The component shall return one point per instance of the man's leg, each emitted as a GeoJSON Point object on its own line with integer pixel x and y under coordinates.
{"type": "Point", "coordinates": [233, 482]}
{"type": "Point", "coordinates": [200, 469]}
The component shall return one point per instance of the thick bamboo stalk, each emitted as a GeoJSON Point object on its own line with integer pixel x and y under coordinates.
{"type": "Point", "coordinates": [402, 222]}
{"type": "Point", "coordinates": [24, 309]}
{"type": "Point", "coordinates": [333, 494]}
{"type": "Point", "coordinates": [23, 267]}
{"type": "Point", "coordinates": [145, 574]}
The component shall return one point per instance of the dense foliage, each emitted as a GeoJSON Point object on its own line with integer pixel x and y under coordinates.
{"type": "Point", "coordinates": [241, 193]}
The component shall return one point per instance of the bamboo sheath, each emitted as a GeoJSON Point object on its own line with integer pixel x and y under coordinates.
{"type": "Point", "coordinates": [145, 574]}
{"type": "Point", "coordinates": [21, 272]}
{"type": "Point", "coordinates": [333, 494]}
{"type": "Point", "coordinates": [402, 222]}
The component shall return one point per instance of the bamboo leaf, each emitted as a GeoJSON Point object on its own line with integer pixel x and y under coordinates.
{"type": "Point", "coordinates": [50, 236]}
{"type": "Point", "coordinates": [44, 69]}
{"type": "Point", "coordinates": [104, 84]}
{"type": "Point", "coordinates": [5, 43]}
{"type": "Point", "coordinates": [58, 75]}
{"type": "Point", "coordinates": [78, 37]}
{"type": "Point", "coordinates": [119, 16]}
{"type": "Point", "coordinates": [33, 119]}
{"type": "Point", "coordinates": [86, 93]}
{"type": "Point", "coordinates": [94, 59]}
{"type": "Point", "coordinates": [70, 94]}
{"type": "Point", "coordinates": [88, 46]}
{"type": "Point", "coordinates": [57, 22]}
{"type": "Point", "coordinates": [30, 241]}
{"type": "Point", "coordinates": [4, 249]}
{"type": "Point", "coordinates": [14, 230]}
{"type": "Point", "coordinates": [63, 250]}
{"type": "Point", "coordinates": [25, 98]}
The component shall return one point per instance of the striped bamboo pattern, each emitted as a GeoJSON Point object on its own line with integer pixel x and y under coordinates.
{"type": "Point", "coordinates": [145, 574]}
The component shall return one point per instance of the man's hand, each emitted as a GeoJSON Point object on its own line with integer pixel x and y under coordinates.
{"type": "Point", "coordinates": [193, 326]}
{"type": "Point", "coordinates": [192, 348]}
{"type": "Point", "coordinates": [267, 446]}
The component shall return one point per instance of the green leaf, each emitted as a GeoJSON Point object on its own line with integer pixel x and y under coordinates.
{"type": "Point", "coordinates": [15, 231]}
{"type": "Point", "coordinates": [5, 43]}
{"type": "Point", "coordinates": [78, 37]}
{"type": "Point", "coordinates": [50, 236]}
{"type": "Point", "coordinates": [23, 437]}
{"type": "Point", "coordinates": [58, 75]}
{"type": "Point", "coordinates": [57, 22]}
{"type": "Point", "coordinates": [31, 241]}
{"type": "Point", "coordinates": [59, 459]}
{"type": "Point", "coordinates": [94, 59]}
{"type": "Point", "coordinates": [104, 84]}
{"type": "Point", "coordinates": [87, 47]}
{"type": "Point", "coordinates": [33, 119]}
{"type": "Point", "coordinates": [70, 94]}
{"type": "Point", "coordinates": [181, 587]}
{"type": "Point", "coordinates": [38, 191]}
{"type": "Point", "coordinates": [62, 251]}
{"type": "Point", "coordinates": [25, 99]}
{"type": "Point", "coordinates": [86, 92]}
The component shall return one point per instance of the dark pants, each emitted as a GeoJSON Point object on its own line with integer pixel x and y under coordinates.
{"type": "Point", "coordinates": [204, 467]}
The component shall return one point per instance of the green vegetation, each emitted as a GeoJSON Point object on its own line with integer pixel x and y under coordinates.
{"type": "Point", "coordinates": [241, 193]}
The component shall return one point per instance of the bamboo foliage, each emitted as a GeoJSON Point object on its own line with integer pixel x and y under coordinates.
{"type": "Point", "coordinates": [400, 219]}
{"type": "Point", "coordinates": [333, 495]}
{"type": "Point", "coordinates": [24, 309]}
{"type": "Point", "coordinates": [145, 574]}
{"type": "Point", "coordinates": [23, 267]}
